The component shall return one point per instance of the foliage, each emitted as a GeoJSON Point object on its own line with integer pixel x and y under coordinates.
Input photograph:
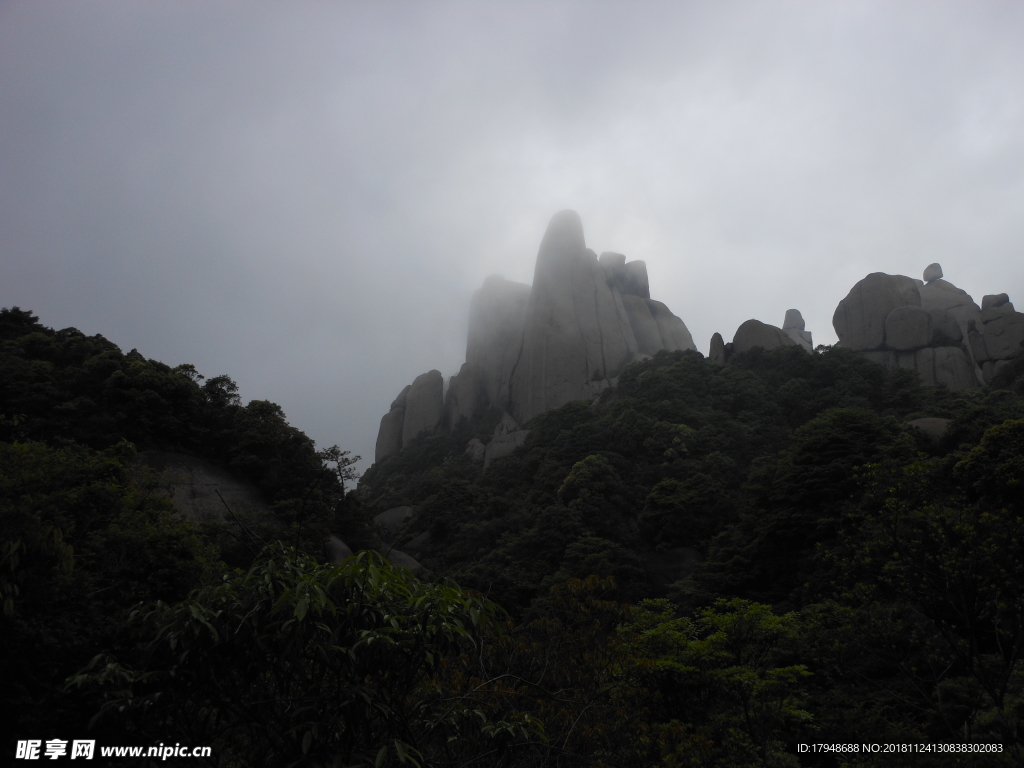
{"type": "Point", "coordinates": [707, 566]}
{"type": "Point", "coordinates": [83, 538]}
{"type": "Point", "coordinates": [303, 663]}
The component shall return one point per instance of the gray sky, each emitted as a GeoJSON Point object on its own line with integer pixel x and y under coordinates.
{"type": "Point", "coordinates": [305, 195]}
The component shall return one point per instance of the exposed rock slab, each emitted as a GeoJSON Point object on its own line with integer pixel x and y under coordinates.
{"type": "Point", "coordinates": [194, 484]}
{"type": "Point", "coordinates": [503, 445]}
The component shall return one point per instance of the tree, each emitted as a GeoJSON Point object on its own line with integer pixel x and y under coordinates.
{"type": "Point", "coordinates": [320, 664]}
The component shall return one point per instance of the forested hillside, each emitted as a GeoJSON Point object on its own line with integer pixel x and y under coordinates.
{"type": "Point", "coordinates": [708, 566]}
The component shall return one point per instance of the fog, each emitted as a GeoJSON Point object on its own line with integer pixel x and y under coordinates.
{"type": "Point", "coordinates": [305, 195]}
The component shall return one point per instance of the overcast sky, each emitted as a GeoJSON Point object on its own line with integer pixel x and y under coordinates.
{"type": "Point", "coordinates": [305, 195]}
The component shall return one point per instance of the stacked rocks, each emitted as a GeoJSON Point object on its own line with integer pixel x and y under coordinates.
{"type": "Point", "coordinates": [1001, 336]}
{"type": "Point", "coordinates": [904, 323]}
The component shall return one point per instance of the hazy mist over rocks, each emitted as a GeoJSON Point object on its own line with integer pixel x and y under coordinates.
{"type": "Point", "coordinates": [304, 196]}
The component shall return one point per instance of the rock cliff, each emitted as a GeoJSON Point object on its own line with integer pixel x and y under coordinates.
{"type": "Point", "coordinates": [534, 348]}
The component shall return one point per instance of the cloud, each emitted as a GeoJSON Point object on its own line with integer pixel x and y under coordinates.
{"type": "Point", "coordinates": [305, 196]}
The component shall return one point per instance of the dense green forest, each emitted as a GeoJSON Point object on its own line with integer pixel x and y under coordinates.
{"type": "Point", "coordinates": [707, 567]}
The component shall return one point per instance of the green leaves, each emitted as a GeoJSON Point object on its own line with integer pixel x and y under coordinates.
{"type": "Point", "coordinates": [296, 657]}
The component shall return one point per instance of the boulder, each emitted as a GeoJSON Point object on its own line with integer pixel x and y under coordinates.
{"type": "Point", "coordinates": [503, 445]}
{"type": "Point", "coordinates": [418, 543]}
{"type": "Point", "coordinates": [999, 310]}
{"type": "Point", "coordinates": [424, 406]}
{"type": "Point", "coordinates": [859, 320]}
{"type": "Point", "coordinates": [934, 428]}
{"type": "Point", "coordinates": [336, 549]}
{"type": "Point", "coordinates": [717, 351]}
{"type": "Point", "coordinates": [793, 325]}
{"type": "Point", "coordinates": [793, 320]}
{"type": "Point", "coordinates": [932, 272]}
{"type": "Point", "coordinates": [908, 328]}
{"type": "Point", "coordinates": [1003, 336]}
{"type": "Point", "coordinates": [754, 333]}
{"type": "Point", "coordinates": [401, 559]}
{"type": "Point", "coordinates": [994, 300]}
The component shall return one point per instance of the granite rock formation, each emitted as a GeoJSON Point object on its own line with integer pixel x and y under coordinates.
{"type": "Point", "coordinates": [534, 348]}
{"type": "Point", "coordinates": [754, 333]}
{"type": "Point", "coordinates": [202, 491]}
{"type": "Point", "coordinates": [859, 320]}
{"type": "Point", "coordinates": [793, 325]}
{"type": "Point", "coordinates": [1001, 334]}
{"type": "Point", "coordinates": [929, 326]}
{"type": "Point", "coordinates": [717, 351]}
{"type": "Point", "coordinates": [578, 332]}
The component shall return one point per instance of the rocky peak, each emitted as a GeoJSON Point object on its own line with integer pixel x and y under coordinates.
{"type": "Point", "coordinates": [533, 348]}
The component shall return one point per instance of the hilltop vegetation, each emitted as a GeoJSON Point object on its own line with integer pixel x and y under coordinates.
{"type": "Point", "coordinates": [708, 566]}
